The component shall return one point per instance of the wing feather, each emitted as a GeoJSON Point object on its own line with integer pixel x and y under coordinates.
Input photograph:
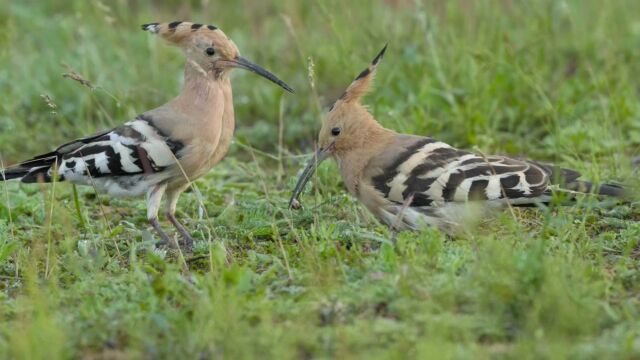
{"type": "Point", "coordinates": [432, 171]}
{"type": "Point", "coordinates": [137, 147]}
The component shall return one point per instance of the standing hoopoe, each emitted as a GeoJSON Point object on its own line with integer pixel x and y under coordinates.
{"type": "Point", "coordinates": [164, 149]}
{"type": "Point", "coordinates": [410, 181]}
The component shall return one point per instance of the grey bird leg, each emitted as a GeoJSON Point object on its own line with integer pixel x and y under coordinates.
{"type": "Point", "coordinates": [156, 226]}
{"type": "Point", "coordinates": [172, 202]}
{"type": "Point", "coordinates": [188, 240]}
{"type": "Point", "coordinates": [154, 197]}
{"type": "Point", "coordinates": [398, 221]}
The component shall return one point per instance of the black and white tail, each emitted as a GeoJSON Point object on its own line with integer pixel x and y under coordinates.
{"type": "Point", "coordinates": [41, 168]}
{"type": "Point", "coordinates": [567, 179]}
{"type": "Point", "coordinates": [30, 171]}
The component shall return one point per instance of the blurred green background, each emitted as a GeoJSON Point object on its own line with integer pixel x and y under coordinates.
{"type": "Point", "coordinates": [544, 79]}
{"type": "Point", "coordinates": [550, 80]}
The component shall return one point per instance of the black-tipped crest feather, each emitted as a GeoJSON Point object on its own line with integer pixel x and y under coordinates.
{"type": "Point", "coordinates": [149, 26]}
{"type": "Point", "coordinates": [379, 56]}
{"type": "Point", "coordinates": [362, 82]}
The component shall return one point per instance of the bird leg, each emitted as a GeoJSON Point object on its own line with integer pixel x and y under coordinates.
{"type": "Point", "coordinates": [395, 227]}
{"type": "Point", "coordinates": [172, 201]}
{"type": "Point", "coordinates": [156, 226]}
{"type": "Point", "coordinates": [188, 240]}
{"type": "Point", "coordinates": [154, 197]}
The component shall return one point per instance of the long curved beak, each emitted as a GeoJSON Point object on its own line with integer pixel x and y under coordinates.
{"type": "Point", "coordinates": [307, 173]}
{"type": "Point", "coordinates": [243, 63]}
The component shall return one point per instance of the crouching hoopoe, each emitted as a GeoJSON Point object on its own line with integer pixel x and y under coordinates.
{"type": "Point", "coordinates": [164, 149]}
{"type": "Point", "coordinates": [410, 181]}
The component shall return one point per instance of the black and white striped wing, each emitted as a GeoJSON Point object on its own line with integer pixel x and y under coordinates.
{"type": "Point", "coordinates": [433, 172]}
{"type": "Point", "coordinates": [137, 147]}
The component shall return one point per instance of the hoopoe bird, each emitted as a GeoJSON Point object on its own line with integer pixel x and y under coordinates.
{"type": "Point", "coordinates": [162, 150]}
{"type": "Point", "coordinates": [410, 182]}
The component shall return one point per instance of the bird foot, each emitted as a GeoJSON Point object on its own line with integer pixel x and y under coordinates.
{"type": "Point", "coordinates": [164, 238]}
{"type": "Point", "coordinates": [186, 237]}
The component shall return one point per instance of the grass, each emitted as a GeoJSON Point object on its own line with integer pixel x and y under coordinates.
{"type": "Point", "coordinates": [550, 80]}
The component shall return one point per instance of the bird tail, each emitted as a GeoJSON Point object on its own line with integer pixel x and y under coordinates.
{"type": "Point", "coordinates": [38, 169]}
{"type": "Point", "coordinates": [569, 193]}
{"type": "Point", "coordinates": [606, 189]}
{"type": "Point", "coordinates": [567, 180]}
{"type": "Point", "coordinates": [11, 174]}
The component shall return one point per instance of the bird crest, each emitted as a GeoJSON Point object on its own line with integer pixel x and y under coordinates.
{"type": "Point", "coordinates": [180, 32]}
{"type": "Point", "coordinates": [177, 31]}
{"type": "Point", "coordinates": [362, 83]}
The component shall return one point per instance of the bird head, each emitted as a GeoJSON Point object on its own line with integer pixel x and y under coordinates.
{"type": "Point", "coordinates": [208, 48]}
{"type": "Point", "coordinates": [348, 126]}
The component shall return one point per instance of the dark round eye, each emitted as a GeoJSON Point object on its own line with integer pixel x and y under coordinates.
{"type": "Point", "coordinates": [335, 131]}
{"type": "Point", "coordinates": [210, 51]}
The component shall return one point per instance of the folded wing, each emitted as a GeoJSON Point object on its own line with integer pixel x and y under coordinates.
{"type": "Point", "coordinates": [138, 147]}
{"type": "Point", "coordinates": [432, 172]}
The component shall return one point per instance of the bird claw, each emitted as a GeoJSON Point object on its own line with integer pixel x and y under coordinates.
{"type": "Point", "coordinates": [295, 204]}
{"type": "Point", "coordinates": [187, 241]}
{"type": "Point", "coordinates": [166, 244]}
{"type": "Point", "coordinates": [161, 245]}
{"type": "Point", "coordinates": [165, 240]}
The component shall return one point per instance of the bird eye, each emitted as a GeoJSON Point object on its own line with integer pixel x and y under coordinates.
{"type": "Point", "coordinates": [210, 51]}
{"type": "Point", "coordinates": [335, 131]}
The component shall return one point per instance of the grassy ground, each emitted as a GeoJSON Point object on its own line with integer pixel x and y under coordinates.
{"type": "Point", "coordinates": [551, 80]}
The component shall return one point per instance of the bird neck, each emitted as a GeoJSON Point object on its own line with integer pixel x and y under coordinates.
{"type": "Point", "coordinates": [228, 125]}
{"type": "Point", "coordinates": [202, 92]}
{"type": "Point", "coordinates": [353, 162]}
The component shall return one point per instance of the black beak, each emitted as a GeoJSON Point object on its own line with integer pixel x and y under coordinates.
{"type": "Point", "coordinates": [243, 63]}
{"type": "Point", "coordinates": [308, 171]}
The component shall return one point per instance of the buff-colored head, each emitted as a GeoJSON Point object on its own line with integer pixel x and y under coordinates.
{"type": "Point", "coordinates": [208, 48]}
